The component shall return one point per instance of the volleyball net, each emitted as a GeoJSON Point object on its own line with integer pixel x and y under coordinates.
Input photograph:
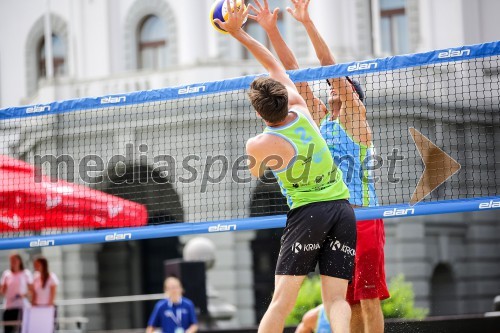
{"type": "Point", "coordinates": [136, 165]}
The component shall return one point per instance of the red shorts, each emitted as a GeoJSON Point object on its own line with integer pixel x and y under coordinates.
{"type": "Point", "coordinates": [369, 269]}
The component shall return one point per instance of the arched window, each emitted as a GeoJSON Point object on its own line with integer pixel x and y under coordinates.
{"type": "Point", "coordinates": [152, 48]}
{"type": "Point", "coordinates": [443, 291]}
{"type": "Point", "coordinates": [58, 57]}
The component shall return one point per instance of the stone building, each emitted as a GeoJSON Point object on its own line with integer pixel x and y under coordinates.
{"type": "Point", "coordinates": [116, 46]}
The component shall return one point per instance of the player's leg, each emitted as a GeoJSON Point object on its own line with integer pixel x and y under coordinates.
{"type": "Point", "coordinates": [300, 246]}
{"type": "Point", "coordinates": [357, 323]}
{"type": "Point", "coordinates": [285, 293]}
{"type": "Point", "coordinates": [370, 285]}
{"type": "Point", "coordinates": [372, 315]}
{"type": "Point", "coordinates": [333, 291]}
{"type": "Point", "coordinates": [336, 264]}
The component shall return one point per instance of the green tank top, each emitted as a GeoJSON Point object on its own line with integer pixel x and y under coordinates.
{"type": "Point", "coordinates": [311, 176]}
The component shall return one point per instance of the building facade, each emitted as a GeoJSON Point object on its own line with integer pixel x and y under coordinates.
{"type": "Point", "coordinates": [117, 46]}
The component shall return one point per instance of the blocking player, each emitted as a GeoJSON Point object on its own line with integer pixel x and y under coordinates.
{"type": "Point", "coordinates": [320, 216]}
{"type": "Point", "coordinates": [349, 138]}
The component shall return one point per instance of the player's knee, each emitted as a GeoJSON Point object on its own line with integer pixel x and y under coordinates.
{"type": "Point", "coordinates": [337, 302]}
{"type": "Point", "coordinates": [335, 299]}
{"type": "Point", "coordinates": [281, 308]}
{"type": "Point", "coordinates": [371, 306]}
{"type": "Point", "coordinates": [356, 310]}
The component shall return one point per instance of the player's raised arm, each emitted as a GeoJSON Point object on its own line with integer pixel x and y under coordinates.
{"type": "Point", "coordinates": [233, 25]}
{"type": "Point", "coordinates": [354, 119]}
{"type": "Point", "coordinates": [300, 12]}
{"type": "Point", "coordinates": [269, 22]}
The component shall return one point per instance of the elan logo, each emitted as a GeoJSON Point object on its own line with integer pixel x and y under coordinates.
{"type": "Point", "coordinates": [362, 66]}
{"type": "Point", "coordinates": [453, 54]}
{"type": "Point", "coordinates": [399, 212]}
{"type": "Point", "coordinates": [117, 237]}
{"type": "Point", "coordinates": [222, 228]}
{"type": "Point", "coordinates": [38, 109]}
{"type": "Point", "coordinates": [113, 100]}
{"type": "Point", "coordinates": [489, 205]}
{"type": "Point", "coordinates": [42, 243]}
{"type": "Point", "coordinates": [191, 90]}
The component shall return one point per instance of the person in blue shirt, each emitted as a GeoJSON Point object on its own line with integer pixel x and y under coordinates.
{"type": "Point", "coordinates": [174, 314]}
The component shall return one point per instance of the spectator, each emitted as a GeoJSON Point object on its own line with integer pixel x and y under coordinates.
{"type": "Point", "coordinates": [174, 314]}
{"type": "Point", "coordinates": [44, 283]}
{"type": "Point", "coordinates": [16, 284]}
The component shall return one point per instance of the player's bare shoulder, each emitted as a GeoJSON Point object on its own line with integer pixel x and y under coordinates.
{"type": "Point", "coordinates": [259, 144]}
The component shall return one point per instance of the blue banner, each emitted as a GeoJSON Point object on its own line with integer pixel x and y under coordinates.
{"type": "Point", "coordinates": [206, 88]}
{"type": "Point", "coordinates": [253, 223]}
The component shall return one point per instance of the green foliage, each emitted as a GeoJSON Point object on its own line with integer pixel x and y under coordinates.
{"type": "Point", "coordinates": [309, 297]}
{"type": "Point", "coordinates": [402, 301]}
{"type": "Point", "coordinates": [400, 305]}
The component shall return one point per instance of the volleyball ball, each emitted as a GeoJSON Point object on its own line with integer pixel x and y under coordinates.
{"type": "Point", "coordinates": [220, 11]}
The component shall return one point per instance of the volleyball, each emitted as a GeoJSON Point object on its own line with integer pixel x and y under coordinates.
{"type": "Point", "coordinates": [220, 11]}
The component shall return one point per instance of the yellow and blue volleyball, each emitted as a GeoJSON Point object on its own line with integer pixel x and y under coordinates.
{"type": "Point", "coordinates": [220, 11]}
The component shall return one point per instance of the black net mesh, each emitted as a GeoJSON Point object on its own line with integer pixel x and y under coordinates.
{"type": "Point", "coordinates": [184, 159]}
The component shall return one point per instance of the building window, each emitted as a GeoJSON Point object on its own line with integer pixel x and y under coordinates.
{"type": "Point", "coordinates": [394, 27]}
{"type": "Point", "coordinates": [256, 31]}
{"type": "Point", "coordinates": [58, 57]}
{"type": "Point", "coordinates": [152, 43]}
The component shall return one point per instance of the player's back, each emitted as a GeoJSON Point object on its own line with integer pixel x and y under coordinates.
{"type": "Point", "coordinates": [311, 176]}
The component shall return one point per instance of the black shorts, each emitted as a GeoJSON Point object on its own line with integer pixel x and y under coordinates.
{"type": "Point", "coordinates": [321, 232]}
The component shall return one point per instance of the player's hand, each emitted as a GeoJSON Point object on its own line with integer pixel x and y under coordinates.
{"type": "Point", "coordinates": [264, 17]}
{"type": "Point", "coordinates": [236, 17]}
{"type": "Point", "coordinates": [300, 10]}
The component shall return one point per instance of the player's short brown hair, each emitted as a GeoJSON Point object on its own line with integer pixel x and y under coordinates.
{"type": "Point", "coordinates": [269, 98]}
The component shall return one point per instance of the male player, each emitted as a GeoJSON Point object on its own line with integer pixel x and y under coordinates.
{"type": "Point", "coordinates": [349, 138]}
{"type": "Point", "coordinates": [321, 224]}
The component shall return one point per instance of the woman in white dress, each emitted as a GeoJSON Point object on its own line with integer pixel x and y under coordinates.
{"type": "Point", "coordinates": [16, 284]}
{"type": "Point", "coordinates": [44, 284]}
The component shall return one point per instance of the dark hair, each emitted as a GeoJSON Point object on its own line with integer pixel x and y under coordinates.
{"type": "Point", "coordinates": [356, 85]}
{"type": "Point", "coordinates": [269, 98]}
{"type": "Point", "coordinates": [18, 257]}
{"type": "Point", "coordinates": [45, 269]}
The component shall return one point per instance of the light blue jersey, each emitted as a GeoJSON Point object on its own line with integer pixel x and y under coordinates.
{"type": "Point", "coordinates": [352, 159]}
{"type": "Point", "coordinates": [323, 325]}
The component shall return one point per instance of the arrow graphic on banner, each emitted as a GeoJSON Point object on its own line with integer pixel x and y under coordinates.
{"type": "Point", "coordinates": [439, 166]}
